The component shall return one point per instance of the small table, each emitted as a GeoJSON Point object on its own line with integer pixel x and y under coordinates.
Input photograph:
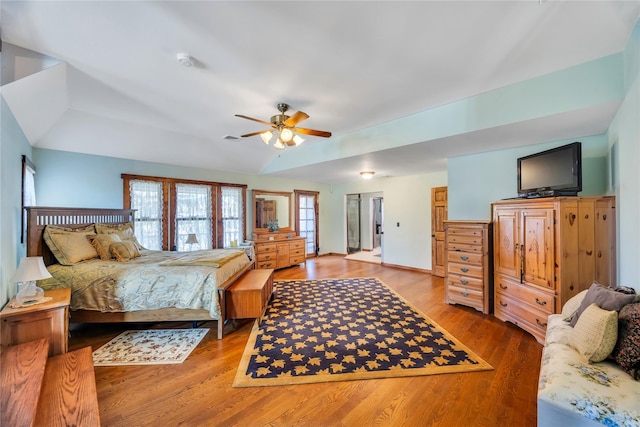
{"type": "Point", "coordinates": [46, 320]}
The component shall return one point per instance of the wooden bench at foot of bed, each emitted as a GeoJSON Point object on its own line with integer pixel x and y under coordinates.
{"type": "Point", "coordinates": [248, 296]}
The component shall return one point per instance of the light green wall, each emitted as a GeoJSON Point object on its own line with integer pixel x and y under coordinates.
{"type": "Point", "coordinates": [13, 144]}
{"type": "Point", "coordinates": [624, 132]}
{"type": "Point", "coordinates": [83, 180]}
{"type": "Point", "coordinates": [477, 180]}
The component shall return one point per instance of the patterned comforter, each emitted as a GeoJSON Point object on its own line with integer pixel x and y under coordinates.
{"type": "Point", "coordinates": [149, 281]}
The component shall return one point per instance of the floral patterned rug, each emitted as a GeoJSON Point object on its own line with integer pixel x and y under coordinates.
{"type": "Point", "coordinates": [149, 347]}
{"type": "Point", "coordinates": [346, 329]}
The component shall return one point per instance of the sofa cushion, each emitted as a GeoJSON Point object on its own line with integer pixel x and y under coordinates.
{"type": "Point", "coordinates": [603, 297]}
{"type": "Point", "coordinates": [572, 305]}
{"type": "Point", "coordinates": [627, 350]}
{"type": "Point", "coordinates": [596, 333]}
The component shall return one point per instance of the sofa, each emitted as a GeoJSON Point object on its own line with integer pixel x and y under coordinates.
{"type": "Point", "coordinates": [598, 382]}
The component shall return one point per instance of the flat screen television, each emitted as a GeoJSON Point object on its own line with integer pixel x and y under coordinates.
{"type": "Point", "coordinates": [555, 172]}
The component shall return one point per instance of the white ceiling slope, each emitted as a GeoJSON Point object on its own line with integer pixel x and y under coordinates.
{"type": "Point", "coordinates": [353, 66]}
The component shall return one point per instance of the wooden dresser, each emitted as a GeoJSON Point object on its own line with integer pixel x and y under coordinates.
{"type": "Point", "coordinates": [546, 251]}
{"type": "Point", "coordinates": [468, 265]}
{"type": "Point", "coordinates": [279, 249]}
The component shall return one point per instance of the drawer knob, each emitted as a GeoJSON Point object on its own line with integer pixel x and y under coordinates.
{"type": "Point", "coordinates": [503, 287]}
{"type": "Point", "coordinates": [504, 304]}
{"type": "Point", "coordinates": [464, 294]}
{"type": "Point", "coordinates": [540, 302]}
{"type": "Point", "coordinates": [464, 282]}
{"type": "Point", "coordinates": [464, 270]}
{"type": "Point", "coordinates": [464, 258]}
{"type": "Point", "coordinates": [544, 325]}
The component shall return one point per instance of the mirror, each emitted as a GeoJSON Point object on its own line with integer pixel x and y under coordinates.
{"type": "Point", "coordinates": [270, 205]}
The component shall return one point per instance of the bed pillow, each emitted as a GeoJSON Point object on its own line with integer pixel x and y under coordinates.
{"type": "Point", "coordinates": [124, 230]}
{"type": "Point", "coordinates": [102, 242]}
{"type": "Point", "coordinates": [627, 350]}
{"type": "Point", "coordinates": [69, 245]}
{"type": "Point", "coordinates": [124, 251]}
{"type": "Point", "coordinates": [605, 298]}
{"type": "Point", "coordinates": [572, 305]}
{"type": "Point", "coordinates": [595, 333]}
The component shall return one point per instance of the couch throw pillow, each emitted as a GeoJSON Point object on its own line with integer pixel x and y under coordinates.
{"type": "Point", "coordinates": [595, 334]}
{"type": "Point", "coordinates": [605, 298]}
{"type": "Point", "coordinates": [627, 350]}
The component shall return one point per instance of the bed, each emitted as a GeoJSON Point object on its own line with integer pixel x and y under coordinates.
{"type": "Point", "coordinates": [98, 294]}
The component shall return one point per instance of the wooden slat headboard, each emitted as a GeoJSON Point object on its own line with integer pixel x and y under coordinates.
{"type": "Point", "coordinates": [39, 217]}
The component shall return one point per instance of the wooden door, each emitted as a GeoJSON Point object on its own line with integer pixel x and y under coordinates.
{"type": "Point", "coordinates": [439, 215]}
{"type": "Point", "coordinates": [537, 247]}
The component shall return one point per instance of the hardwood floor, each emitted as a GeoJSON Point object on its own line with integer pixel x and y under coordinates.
{"type": "Point", "coordinates": [198, 392]}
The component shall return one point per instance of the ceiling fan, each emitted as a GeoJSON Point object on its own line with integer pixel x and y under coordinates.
{"type": "Point", "coordinates": [284, 127]}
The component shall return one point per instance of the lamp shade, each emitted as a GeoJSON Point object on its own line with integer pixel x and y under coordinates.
{"type": "Point", "coordinates": [30, 268]}
{"type": "Point", "coordinates": [266, 136]}
{"type": "Point", "coordinates": [192, 238]}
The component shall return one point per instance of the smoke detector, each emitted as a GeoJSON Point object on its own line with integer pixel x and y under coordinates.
{"type": "Point", "coordinates": [185, 59]}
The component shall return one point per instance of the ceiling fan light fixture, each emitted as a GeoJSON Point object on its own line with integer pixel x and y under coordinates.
{"type": "Point", "coordinates": [297, 140]}
{"type": "Point", "coordinates": [367, 174]}
{"type": "Point", "coordinates": [278, 144]}
{"type": "Point", "coordinates": [286, 135]}
{"type": "Point", "coordinates": [266, 136]}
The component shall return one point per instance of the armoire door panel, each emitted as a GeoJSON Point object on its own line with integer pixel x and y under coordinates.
{"type": "Point", "coordinates": [506, 256]}
{"type": "Point", "coordinates": [536, 246]}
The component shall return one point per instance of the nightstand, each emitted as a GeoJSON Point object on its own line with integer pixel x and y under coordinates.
{"type": "Point", "coordinates": [47, 320]}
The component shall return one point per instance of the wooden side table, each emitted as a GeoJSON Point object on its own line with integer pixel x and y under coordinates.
{"type": "Point", "coordinates": [46, 320]}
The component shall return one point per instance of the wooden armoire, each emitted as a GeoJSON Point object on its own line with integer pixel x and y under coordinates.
{"type": "Point", "coordinates": [546, 251]}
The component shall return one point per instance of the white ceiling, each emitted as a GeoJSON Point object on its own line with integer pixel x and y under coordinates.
{"type": "Point", "coordinates": [349, 65]}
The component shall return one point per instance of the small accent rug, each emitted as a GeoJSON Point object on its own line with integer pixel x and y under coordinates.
{"type": "Point", "coordinates": [346, 329]}
{"type": "Point", "coordinates": [149, 347]}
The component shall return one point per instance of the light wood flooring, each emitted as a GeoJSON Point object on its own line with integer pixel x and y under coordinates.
{"type": "Point", "coordinates": [198, 392]}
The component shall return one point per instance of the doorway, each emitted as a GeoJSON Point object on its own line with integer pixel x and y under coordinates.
{"type": "Point", "coordinates": [354, 242]}
{"type": "Point", "coordinates": [365, 225]}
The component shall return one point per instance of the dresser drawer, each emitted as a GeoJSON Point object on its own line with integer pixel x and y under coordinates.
{"type": "Point", "coordinates": [465, 257]}
{"type": "Point", "coordinates": [296, 252]}
{"type": "Point", "coordinates": [299, 259]}
{"type": "Point", "coordinates": [464, 231]}
{"type": "Point", "coordinates": [266, 256]}
{"type": "Point", "coordinates": [537, 299]}
{"type": "Point", "coordinates": [465, 269]}
{"type": "Point", "coordinates": [465, 239]}
{"type": "Point", "coordinates": [297, 244]}
{"type": "Point", "coordinates": [465, 296]}
{"type": "Point", "coordinates": [266, 264]}
{"type": "Point", "coordinates": [535, 321]}
{"type": "Point", "coordinates": [467, 282]}
{"type": "Point", "coordinates": [265, 247]}
{"type": "Point", "coordinates": [464, 247]}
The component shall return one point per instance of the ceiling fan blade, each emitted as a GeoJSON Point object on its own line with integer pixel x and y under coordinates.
{"type": "Point", "coordinates": [252, 134]}
{"type": "Point", "coordinates": [313, 132]}
{"type": "Point", "coordinates": [255, 120]}
{"type": "Point", "coordinates": [296, 118]}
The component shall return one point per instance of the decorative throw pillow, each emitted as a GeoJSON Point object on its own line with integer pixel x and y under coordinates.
{"type": "Point", "coordinates": [627, 350]}
{"type": "Point", "coordinates": [101, 243]}
{"type": "Point", "coordinates": [605, 298]}
{"type": "Point", "coordinates": [596, 333]}
{"type": "Point", "coordinates": [571, 306]}
{"type": "Point", "coordinates": [124, 251]}
{"type": "Point", "coordinates": [69, 245]}
{"type": "Point", "coordinates": [124, 230]}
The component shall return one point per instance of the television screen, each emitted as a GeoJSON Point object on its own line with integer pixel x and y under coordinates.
{"type": "Point", "coordinates": [553, 172]}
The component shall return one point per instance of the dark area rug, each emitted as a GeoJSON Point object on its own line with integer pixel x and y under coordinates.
{"type": "Point", "coordinates": [346, 329]}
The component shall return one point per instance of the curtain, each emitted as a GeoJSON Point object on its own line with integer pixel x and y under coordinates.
{"type": "Point", "coordinates": [232, 215]}
{"type": "Point", "coordinates": [146, 198]}
{"type": "Point", "coordinates": [193, 216]}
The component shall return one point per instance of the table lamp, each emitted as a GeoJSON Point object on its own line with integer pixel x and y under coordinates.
{"type": "Point", "coordinates": [191, 239]}
{"type": "Point", "coordinates": [30, 269]}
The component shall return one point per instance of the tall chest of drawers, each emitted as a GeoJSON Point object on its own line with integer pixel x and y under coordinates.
{"type": "Point", "coordinates": [468, 266]}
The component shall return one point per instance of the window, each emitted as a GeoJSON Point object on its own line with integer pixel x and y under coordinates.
{"type": "Point", "coordinates": [307, 218]}
{"type": "Point", "coordinates": [28, 191]}
{"type": "Point", "coordinates": [193, 216]}
{"type": "Point", "coordinates": [170, 209]}
{"type": "Point", "coordinates": [146, 197]}
{"type": "Point", "coordinates": [232, 215]}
